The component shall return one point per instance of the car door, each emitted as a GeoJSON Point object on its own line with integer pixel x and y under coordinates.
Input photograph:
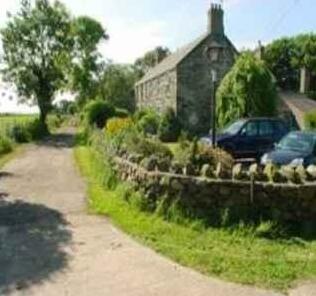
{"type": "Point", "coordinates": [267, 136]}
{"type": "Point", "coordinates": [247, 140]}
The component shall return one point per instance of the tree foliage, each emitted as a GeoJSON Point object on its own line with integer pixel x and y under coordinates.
{"type": "Point", "coordinates": [46, 50]}
{"type": "Point", "coordinates": [87, 66]}
{"type": "Point", "coordinates": [247, 90]}
{"type": "Point", "coordinates": [117, 86]}
{"type": "Point", "coordinates": [279, 57]}
{"type": "Point", "coordinates": [36, 47]}
{"type": "Point", "coordinates": [151, 59]}
{"type": "Point", "coordinates": [286, 56]}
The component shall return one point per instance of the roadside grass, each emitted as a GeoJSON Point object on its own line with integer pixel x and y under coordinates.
{"type": "Point", "coordinates": [18, 150]}
{"type": "Point", "coordinates": [240, 254]}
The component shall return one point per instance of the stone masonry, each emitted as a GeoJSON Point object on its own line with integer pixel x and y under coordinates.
{"type": "Point", "coordinates": [183, 80]}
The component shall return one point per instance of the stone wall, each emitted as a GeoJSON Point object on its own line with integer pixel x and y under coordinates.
{"type": "Point", "coordinates": [281, 202]}
{"type": "Point", "coordinates": [195, 84]}
{"type": "Point", "coordinates": [158, 93]}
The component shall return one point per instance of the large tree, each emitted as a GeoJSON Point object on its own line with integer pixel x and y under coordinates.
{"type": "Point", "coordinates": [117, 86]}
{"type": "Point", "coordinates": [279, 57]}
{"type": "Point", "coordinates": [151, 59]}
{"type": "Point", "coordinates": [87, 66]}
{"type": "Point", "coordinates": [286, 56]}
{"type": "Point", "coordinates": [247, 90]}
{"type": "Point", "coordinates": [36, 47]}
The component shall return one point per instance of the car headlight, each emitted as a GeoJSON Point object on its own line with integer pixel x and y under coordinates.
{"type": "Point", "coordinates": [297, 162]}
{"type": "Point", "coordinates": [264, 159]}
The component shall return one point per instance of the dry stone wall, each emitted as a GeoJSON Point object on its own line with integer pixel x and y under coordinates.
{"type": "Point", "coordinates": [285, 202]}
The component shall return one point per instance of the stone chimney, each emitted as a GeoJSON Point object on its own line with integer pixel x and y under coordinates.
{"type": "Point", "coordinates": [216, 20]}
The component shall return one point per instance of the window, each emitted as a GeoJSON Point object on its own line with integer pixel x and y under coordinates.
{"type": "Point", "coordinates": [250, 130]}
{"type": "Point", "coordinates": [266, 128]}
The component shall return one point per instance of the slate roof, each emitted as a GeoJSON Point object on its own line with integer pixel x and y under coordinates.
{"type": "Point", "coordinates": [173, 60]}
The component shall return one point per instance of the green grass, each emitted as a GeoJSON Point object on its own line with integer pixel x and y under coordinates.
{"type": "Point", "coordinates": [6, 121]}
{"type": "Point", "coordinates": [238, 254]}
{"type": "Point", "coordinates": [11, 155]}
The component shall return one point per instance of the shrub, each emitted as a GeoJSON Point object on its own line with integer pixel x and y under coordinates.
{"type": "Point", "coordinates": [121, 113]}
{"type": "Point", "coordinates": [115, 126]}
{"type": "Point", "coordinates": [169, 127]}
{"type": "Point", "coordinates": [98, 112]}
{"type": "Point", "coordinates": [37, 129]}
{"type": "Point", "coordinates": [213, 156]}
{"type": "Point", "coordinates": [135, 143]}
{"type": "Point", "coordinates": [20, 133]}
{"type": "Point", "coordinates": [310, 120]}
{"type": "Point", "coordinates": [149, 123]}
{"type": "Point", "coordinates": [198, 155]}
{"type": "Point", "coordinates": [184, 152]}
{"type": "Point", "coordinates": [6, 145]}
{"type": "Point", "coordinates": [54, 121]}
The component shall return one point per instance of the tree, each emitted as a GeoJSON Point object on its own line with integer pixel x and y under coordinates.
{"type": "Point", "coordinates": [279, 57]}
{"type": "Point", "coordinates": [151, 59]}
{"type": "Point", "coordinates": [247, 90]}
{"type": "Point", "coordinates": [306, 51]}
{"type": "Point", "coordinates": [286, 56]}
{"type": "Point", "coordinates": [87, 33]}
{"type": "Point", "coordinates": [36, 47]}
{"type": "Point", "coordinates": [117, 86]}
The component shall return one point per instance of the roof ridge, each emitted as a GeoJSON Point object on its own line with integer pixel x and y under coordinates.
{"type": "Point", "coordinates": [172, 60]}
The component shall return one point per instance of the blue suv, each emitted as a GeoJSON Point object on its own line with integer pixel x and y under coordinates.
{"type": "Point", "coordinates": [250, 138]}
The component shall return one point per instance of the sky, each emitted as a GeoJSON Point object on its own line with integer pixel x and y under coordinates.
{"type": "Point", "coordinates": [136, 26]}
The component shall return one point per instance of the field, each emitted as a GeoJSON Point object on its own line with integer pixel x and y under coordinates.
{"type": "Point", "coordinates": [7, 122]}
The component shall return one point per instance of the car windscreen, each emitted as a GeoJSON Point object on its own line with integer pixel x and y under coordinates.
{"type": "Point", "coordinates": [234, 128]}
{"type": "Point", "coordinates": [298, 142]}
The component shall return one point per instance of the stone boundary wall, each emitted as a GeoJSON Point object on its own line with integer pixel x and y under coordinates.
{"type": "Point", "coordinates": [282, 202]}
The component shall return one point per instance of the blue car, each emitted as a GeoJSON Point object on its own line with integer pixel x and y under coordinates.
{"type": "Point", "coordinates": [297, 148]}
{"type": "Point", "coordinates": [250, 138]}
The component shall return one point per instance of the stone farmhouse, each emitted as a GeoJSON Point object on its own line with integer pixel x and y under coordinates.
{"type": "Point", "coordinates": [183, 80]}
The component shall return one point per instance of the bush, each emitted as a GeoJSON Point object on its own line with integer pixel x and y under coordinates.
{"type": "Point", "coordinates": [169, 128]}
{"type": "Point", "coordinates": [20, 133]}
{"type": "Point", "coordinates": [54, 121]}
{"type": "Point", "coordinates": [137, 144]}
{"type": "Point", "coordinates": [198, 155]}
{"type": "Point", "coordinates": [6, 145]}
{"type": "Point", "coordinates": [213, 156]}
{"type": "Point", "coordinates": [148, 123]}
{"type": "Point", "coordinates": [98, 112]}
{"type": "Point", "coordinates": [37, 129]}
{"type": "Point", "coordinates": [310, 120]}
{"type": "Point", "coordinates": [115, 126]}
{"type": "Point", "coordinates": [121, 113]}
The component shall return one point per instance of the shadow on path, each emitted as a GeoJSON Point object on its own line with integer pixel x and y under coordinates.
{"type": "Point", "coordinates": [32, 238]}
{"type": "Point", "coordinates": [60, 140]}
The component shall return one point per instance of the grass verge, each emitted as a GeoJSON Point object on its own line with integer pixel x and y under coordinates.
{"type": "Point", "coordinates": [238, 254]}
{"type": "Point", "coordinates": [17, 150]}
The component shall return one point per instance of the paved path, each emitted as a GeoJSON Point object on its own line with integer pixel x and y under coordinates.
{"type": "Point", "coordinates": [50, 246]}
{"type": "Point", "coordinates": [299, 105]}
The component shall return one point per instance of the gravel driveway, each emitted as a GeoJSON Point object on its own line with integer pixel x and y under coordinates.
{"type": "Point", "coordinates": [49, 245]}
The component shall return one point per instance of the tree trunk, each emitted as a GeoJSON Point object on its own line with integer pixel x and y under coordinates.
{"type": "Point", "coordinates": [43, 117]}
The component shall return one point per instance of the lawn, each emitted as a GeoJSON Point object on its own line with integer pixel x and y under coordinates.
{"type": "Point", "coordinates": [240, 254]}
